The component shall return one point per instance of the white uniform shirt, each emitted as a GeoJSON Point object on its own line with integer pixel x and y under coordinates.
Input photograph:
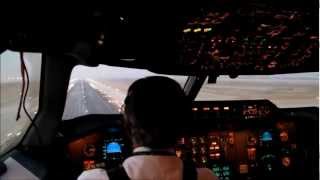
{"type": "Point", "coordinates": [147, 167]}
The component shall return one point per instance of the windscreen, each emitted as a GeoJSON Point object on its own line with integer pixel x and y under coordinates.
{"type": "Point", "coordinates": [102, 89]}
{"type": "Point", "coordinates": [285, 90]}
{"type": "Point", "coordinates": [13, 125]}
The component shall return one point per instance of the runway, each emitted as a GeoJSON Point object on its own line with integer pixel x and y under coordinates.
{"type": "Point", "coordinates": [84, 97]}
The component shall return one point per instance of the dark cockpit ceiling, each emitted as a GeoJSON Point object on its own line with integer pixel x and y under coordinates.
{"type": "Point", "coordinates": [203, 37]}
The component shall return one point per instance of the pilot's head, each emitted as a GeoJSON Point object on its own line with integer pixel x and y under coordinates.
{"type": "Point", "coordinates": [155, 108]}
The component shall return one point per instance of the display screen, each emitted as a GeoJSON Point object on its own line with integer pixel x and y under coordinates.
{"type": "Point", "coordinates": [113, 147]}
{"type": "Point", "coordinates": [266, 136]}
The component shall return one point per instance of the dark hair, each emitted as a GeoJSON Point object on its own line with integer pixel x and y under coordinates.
{"type": "Point", "coordinates": [155, 108]}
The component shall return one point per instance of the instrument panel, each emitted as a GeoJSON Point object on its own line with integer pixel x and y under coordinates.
{"type": "Point", "coordinates": [105, 148]}
{"type": "Point", "coordinates": [234, 139]}
{"type": "Point", "coordinates": [244, 140]}
{"type": "Point", "coordinates": [252, 153]}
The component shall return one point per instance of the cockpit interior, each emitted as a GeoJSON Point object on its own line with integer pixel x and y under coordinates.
{"type": "Point", "coordinates": [65, 71]}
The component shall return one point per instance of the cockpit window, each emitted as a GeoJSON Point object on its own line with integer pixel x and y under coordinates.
{"type": "Point", "coordinates": [285, 90]}
{"type": "Point", "coordinates": [12, 128]}
{"type": "Point", "coordinates": [102, 89]}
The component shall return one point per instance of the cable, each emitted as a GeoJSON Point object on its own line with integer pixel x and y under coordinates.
{"type": "Point", "coordinates": [25, 74]}
{"type": "Point", "coordinates": [22, 91]}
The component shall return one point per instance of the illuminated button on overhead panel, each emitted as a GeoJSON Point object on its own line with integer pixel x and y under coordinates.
{"type": "Point", "coordinates": [187, 30]}
{"type": "Point", "coordinates": [207, 29]}
{"type": "Point", "coordinates": [194, 151]}
{"type": "Point", "coordinates": [216, 108]}
{"type": "Point", "coordinates": [202, 140]}
{"type": "Point", "coordinates": [193, 140]}
{"type": "Point", "coordinates": [195, 109]}
{"type": "Point", "coordinates": [181, 141]}
{"type": "Point", "coordinates": [215, 156]}
{"type": "Point", "coordinates": [206, 108]}
{"type": "Point", "coordinates": [203, 150]}
{"type": "Point", "coordinates": [197, 30]}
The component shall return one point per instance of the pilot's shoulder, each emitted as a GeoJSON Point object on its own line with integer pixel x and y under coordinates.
{"type": "Point", "coordinates": [94, 174]}
{"type": "Point", "coordinates": [206, 174]}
